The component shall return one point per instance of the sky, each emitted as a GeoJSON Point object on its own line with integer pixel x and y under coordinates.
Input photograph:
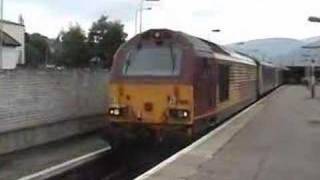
{"type": "Point", "coordinates": [238, 20]}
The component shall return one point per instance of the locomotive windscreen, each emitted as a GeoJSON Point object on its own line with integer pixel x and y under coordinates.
{"type": "Point", "coordinates": [153, 61]}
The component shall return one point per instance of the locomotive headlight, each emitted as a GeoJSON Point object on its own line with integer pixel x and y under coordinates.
{"type": "Point", "coordinates": [185, 114]}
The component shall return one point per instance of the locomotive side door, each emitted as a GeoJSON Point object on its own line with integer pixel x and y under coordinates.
{"type": "Point", "coordinates": [224, 82]}
{"type": "Point", "coordinates": [212, 75]}
{"type": "Point", "coordinates": [206, 85]}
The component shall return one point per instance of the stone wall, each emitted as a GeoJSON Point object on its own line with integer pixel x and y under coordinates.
{"type": "Point", "coordinates": [32, 99]}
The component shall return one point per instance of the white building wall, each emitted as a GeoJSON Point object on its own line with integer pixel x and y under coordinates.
{"type": "Point", "coordinates": [18, 33]}
{"type": "Point", "coordinates": [10, 58]}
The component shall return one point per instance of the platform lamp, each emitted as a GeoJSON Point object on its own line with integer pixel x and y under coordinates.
{"type": "Point", "coordinates": [216, 30]}
{"type": "Point", "coordinates": [314, 19]}
{"type": "Point", "coordinates": [141, 11]}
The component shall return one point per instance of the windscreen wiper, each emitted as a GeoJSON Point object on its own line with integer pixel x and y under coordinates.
{"type": "Point", "coordinates": [128, 63]}
{"type": "Point", "coordinates": [173, 58]}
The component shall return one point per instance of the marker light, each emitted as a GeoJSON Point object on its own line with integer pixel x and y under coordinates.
{"type": "Point", "coordinates": [179, 113]}
{"type": "Point", "coordinates": [185, 114]}
{"type": "Point", "coordinates": [157, 35]}
{"type": "Point", "coordinates": [116, 112]}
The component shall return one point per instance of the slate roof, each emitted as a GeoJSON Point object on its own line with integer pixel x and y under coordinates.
{"type": "Point", "coordinates": [10, 22]}
{"type": "Point", "coordinates": [8, 40]}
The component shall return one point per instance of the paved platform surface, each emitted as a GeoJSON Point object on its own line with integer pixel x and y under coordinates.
{"type": "Point", "coordinates": [277, 139]}
{"type": "Point", "coordinates": [30, 161]}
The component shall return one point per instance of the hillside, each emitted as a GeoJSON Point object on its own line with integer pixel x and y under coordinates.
{"type": "Point", "coordinates": [282, 51]}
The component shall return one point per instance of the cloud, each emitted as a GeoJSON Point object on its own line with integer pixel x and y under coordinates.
{"type": "Point", "coordinates": [50, 17]}
{"type": "Point", "coordinates": [238, 20]}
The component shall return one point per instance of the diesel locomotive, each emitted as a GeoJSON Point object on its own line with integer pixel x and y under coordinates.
{"type": "Point", "coordinates": [169, 82]}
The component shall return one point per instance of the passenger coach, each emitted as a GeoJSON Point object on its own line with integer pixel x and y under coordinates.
{"type": "Point", "coordinates": [169, 82]}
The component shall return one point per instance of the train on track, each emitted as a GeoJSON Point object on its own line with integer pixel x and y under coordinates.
{"type": "Point", "coordinates": [171, 83]}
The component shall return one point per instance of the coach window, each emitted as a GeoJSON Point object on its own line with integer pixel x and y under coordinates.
{"type": "Point", "coordinates": [224, 71]}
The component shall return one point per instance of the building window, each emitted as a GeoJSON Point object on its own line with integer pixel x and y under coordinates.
{"type": "Point", "coordinates": [224, 71]}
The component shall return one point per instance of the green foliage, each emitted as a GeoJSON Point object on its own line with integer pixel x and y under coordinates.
{"type": "Point", "coordinates": [73, 50]}
{"type": "Point", "coordinates": [37, 49]}
{"type": "Point", "coordinates": [104, 39]}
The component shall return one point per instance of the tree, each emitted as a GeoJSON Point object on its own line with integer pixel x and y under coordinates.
{"type": "Point", "coordinates": [37, 49]}
{"type": "Point", "coordinates": [105, 37]}
{"type": "Point", "coordinates": [73, 50]}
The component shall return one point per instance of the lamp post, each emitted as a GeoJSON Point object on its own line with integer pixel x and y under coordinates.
{"type": "Point", "coordinates": [136, 18]}
{"type": "Point", "coordinates": [309, 72]}
{"type": "Point", "coordinates": [141, 7]}
{"type": "Point", "coordinates": [312, 78]}
{"type": "Point", "coordinates": [1, 33]}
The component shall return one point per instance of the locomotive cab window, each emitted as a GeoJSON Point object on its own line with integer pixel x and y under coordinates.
{"type": "Point", "coordinates": [224, 86]}
{"type": "Point", "coordinates": [153, 61]}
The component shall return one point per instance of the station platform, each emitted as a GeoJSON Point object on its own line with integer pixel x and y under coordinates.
{"type": "Point", "coordinates": [278, 138]}
{"type": "Point", "coordinates": [48, 160]}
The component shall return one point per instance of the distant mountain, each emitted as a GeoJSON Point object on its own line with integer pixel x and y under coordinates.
{"type": "Point", "coordinates": [302, 56]}
{"type": "Point", "coordinates": [311, 39]}
{"type": "Point", "coordinates": [280, 51]}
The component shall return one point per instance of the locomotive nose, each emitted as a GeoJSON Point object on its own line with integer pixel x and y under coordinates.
{"type": "Point", "coordinates": [151, 104]}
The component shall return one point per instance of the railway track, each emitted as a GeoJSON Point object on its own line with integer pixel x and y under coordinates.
{"type": "Point", "coordinates": [127, 163]}
{"type": "Point", "coordinates": [68, 165]}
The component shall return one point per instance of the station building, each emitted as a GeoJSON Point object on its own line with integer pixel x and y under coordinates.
{"type": "Point", "coordinates": [299, 70]}
{"type": "Point", "coordinates": [13, 41]}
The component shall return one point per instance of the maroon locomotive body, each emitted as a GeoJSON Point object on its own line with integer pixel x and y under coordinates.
{"type": "Point", "coordinates": [169, 81]}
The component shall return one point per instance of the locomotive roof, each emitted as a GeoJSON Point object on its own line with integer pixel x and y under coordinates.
{"type": "Point", "coordinates": [241, 58]}
{"type": "Point", "coordinates": [202, 49]}
{"type": "Point", "coordinates": [263, 63]}
{"type": "Point", "coordinates": [209, 49]}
